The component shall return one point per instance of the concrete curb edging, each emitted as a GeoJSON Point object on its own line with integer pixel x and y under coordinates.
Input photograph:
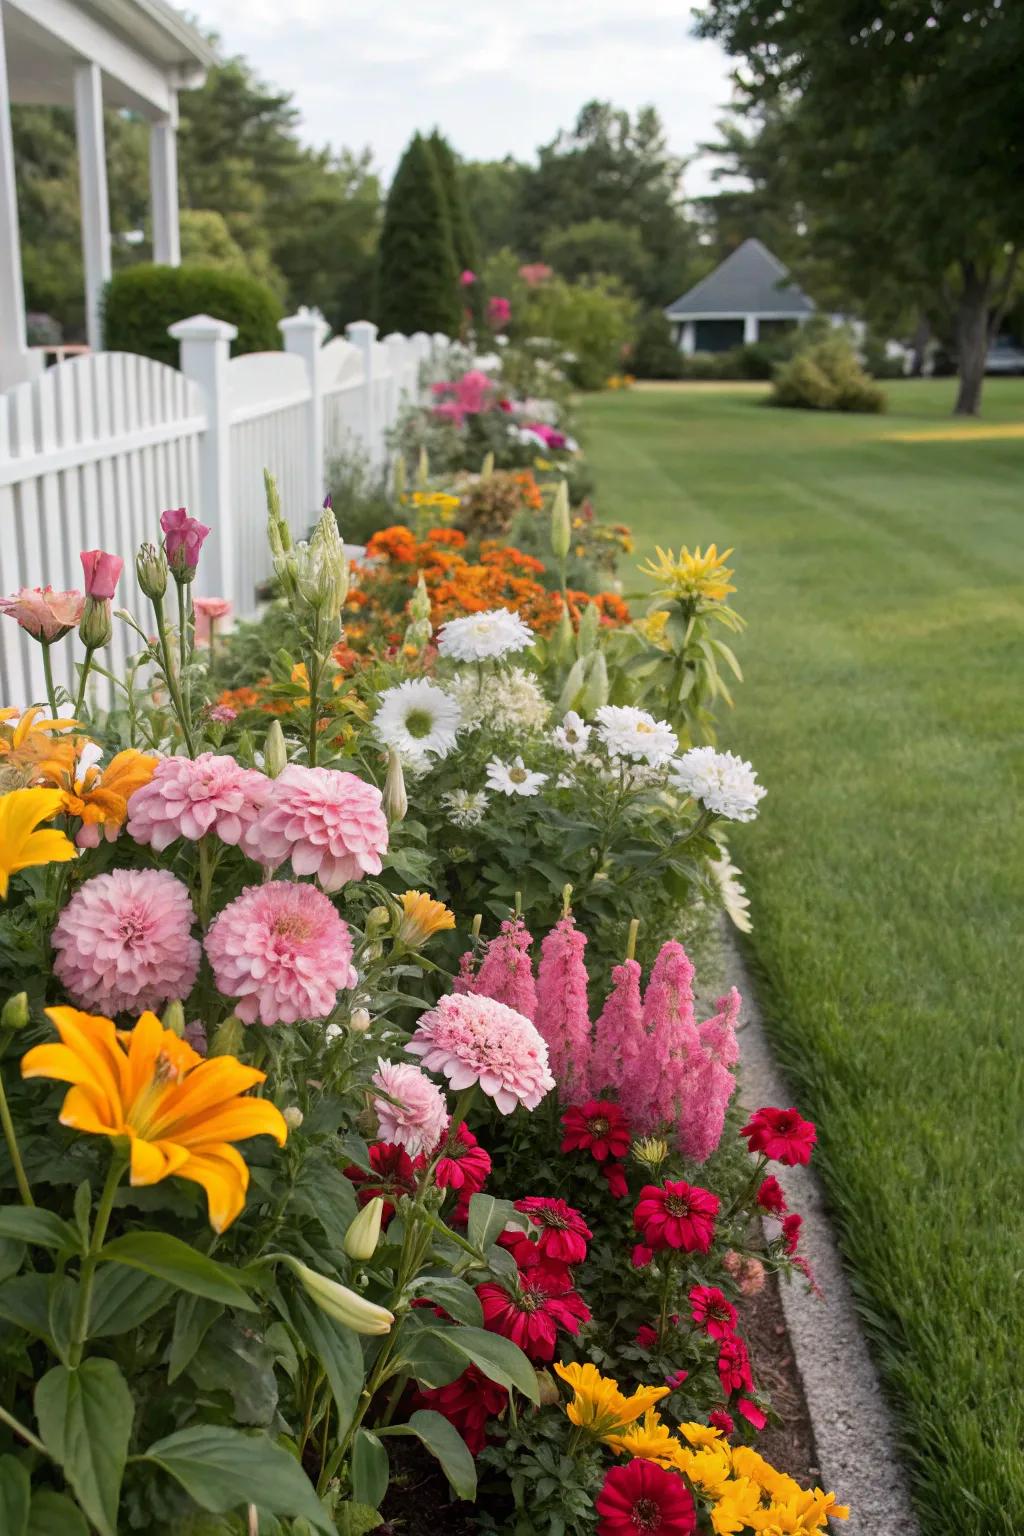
{"type": "Point", "coordinates": [852, 1426]}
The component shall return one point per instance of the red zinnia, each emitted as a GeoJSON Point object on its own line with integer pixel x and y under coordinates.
{"type": "Point", "coordinates": [781, 1135]}
{"type": "Point", "coordinates": [463, 1164]}
{"type": "Point", "coordinates": [532, 1315]}
{"type": "Point", "coordinates": [392, 1174]}
{"type": "Point", "coordinates": [646, 1336]}
{"type": "Point", "coordinates": [563, 1234]}
{"type": "Point", "coordinates": [719, 1419]}
{"type": "Point", "coordinates": [615, 1178]}
{"type": "Point", "coordinates": [642, 1497]}
{"type": "Point", "coordinates": [770, 1197]}
{"type": "Point", "coordinates": [598, 1127]}
{"type": "Point", "coordinates": [468, 1403]}
{"type": "Point", "coordinates": [712, 1311]}
{"type": "Point", "coordinates": [791, 1232]}
{"type": "Point", "coordinates": [677, 1215]}
{"type": "Point", "coordinates": [642, 1256]}
{"type": "Point", "coordinates": [734, 1367]}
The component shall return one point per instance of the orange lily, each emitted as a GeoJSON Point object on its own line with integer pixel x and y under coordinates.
{"type": "Point", "coordinates": [30, 745]}
{"type": "Point", "coordinates": [100, 798]}
{"type": "Point", "coordinates": [176, 1111]}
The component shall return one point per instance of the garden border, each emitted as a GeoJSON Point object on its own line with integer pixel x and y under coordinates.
{"type": "Point", "coordinates": [853, 1429]}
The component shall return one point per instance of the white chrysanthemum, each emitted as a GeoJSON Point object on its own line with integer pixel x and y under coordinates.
{"type": "Point", "coordinates": [465, 807]}
{"type": "Point", "coordinates": [511, 700]}
{"type": "Point", "coordinates": [721, 781]}
{"type": "Point", "coordinates": [513, 778]}
{"type": "Point", "coordinates": [573, 734]}
{"type": "Point", "coordinates": [484, 636]}
{"type": "Point", "coordinates": [419, 720]}
{"type": "Point", "coordinates": [734, 897]}
{"type": "Point", "coordinates": [634, 734]}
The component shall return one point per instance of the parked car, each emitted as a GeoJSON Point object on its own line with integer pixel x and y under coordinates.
{"type": "Point", "coordinates": [1005, 356]}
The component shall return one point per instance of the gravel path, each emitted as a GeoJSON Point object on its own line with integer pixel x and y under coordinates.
{"type": "Point", "coordinates": [852, 1426]}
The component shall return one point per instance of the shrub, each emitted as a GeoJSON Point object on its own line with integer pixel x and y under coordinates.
{"type": "Point", "coordinates": [141, 302]}
{"type": "Point", "coordinates": [826, 376]}
{"type": "Point", "coordinates": [591, 321]}
{"type": "Point", "coordinates": [655, 355]}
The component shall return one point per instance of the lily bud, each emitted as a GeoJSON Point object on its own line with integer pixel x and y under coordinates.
{"type": "Point", "coordinates": [569, 697]}
{"type": "Point", "coordinates": [338, 1302]}
{"type": "Point", "coordinates": [419, 606]}
{"type": "Point", "coordinates": [547, 1389]}
{"type": "Point", "coordinates": [151, 570]}
{"type": "Point", "coordinates": [487, 467]}
{"type": "Point", "coordinates": [173, 1017]}
{"type": "Point", "coordinates": [590, 624]}
{"type": "Point", "coordinates": [561, 531]}
{"type": "Point", "coordinates": [96, 626]}
{"type": "Point", "coordinates": [359, 1020]}
{"type": "Point", "coordinates": [396, 801]}
{"type": "Point", "coordinates": [227, 1037]}
{"type": "Point", "coordinates": [399, 479]}
{"type": "Point", "coordinates": [422, 469]}
{"type": "Point", "coordinates": [275, 751]}
{"type": "Point", "coordinates": [15, 1012]}
{"type": "Point", "coordinates": [293, 1117]}
{"type": "Point", "coordinates": [377, 920]}
{"type": "Point", "coordinates": [595, 689]}
{"type": "Point", "coordinates": [363, 1233]}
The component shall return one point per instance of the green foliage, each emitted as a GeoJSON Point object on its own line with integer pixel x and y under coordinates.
{"type": "Point", "coordinates": [417, 273]}
{"type": "Point", "coordinates": [590, 321]}
{"type": "Point", "coordinates": [599, 248]}
{"type": "Point", "coordinates": [826, 376]}
{"type": "Point", "coordinates": [654, 354]}
{"type": "Point", "coordinates": [464, 241]}
{"type": "Point", "coordinates": [143, 301]}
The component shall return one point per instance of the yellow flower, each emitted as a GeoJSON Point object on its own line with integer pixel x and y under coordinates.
{"type": "Point", "coordinates": [738, 1502]}
{"type": "Point", "coordinates": [746, 1462]}
{"type": "Point", "coordinates": [439, 499]}
{"type": "Point", "coordinates": [100, 799]}
{"type": "Point", "coordinates": [709, 1469]}
{"type": "Point", "coordinates": [653, 628]}
{"type": "Point", "coordinates": [652, 1440]}
{"type": "Point", "coordinates": [422, 917]}
{"type": "Point", "coordinates": [177, 1112]}
{"type": "Point", "coordinates": [806, 1512]}
{"type": "Point", "coordinates": [692, 576]}
{"type": "Point", "coordinates": [30, 748]}
{"type": "Point", "coordinates": [701, 1435]}
{"type": "Point", "coordinates": [599, 1405]}
{"type": "Point", "coordinates": [21, 845]}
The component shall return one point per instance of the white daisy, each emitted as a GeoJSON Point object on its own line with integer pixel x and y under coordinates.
{"type": "Point", "coordinates": [573, 734]}
{"type": "Point", "coordinates": [513, 778]}
{"type": "Point", "coordinates": [465, 807]}
{"type": "Point", "coordinates": [633, 733]}
{"type": "Point", "coordinates": [721, 781]}
{"type": "Point", "coordinates": [484, 636]}
{"type": "Point", "coordinates": [419, 720]}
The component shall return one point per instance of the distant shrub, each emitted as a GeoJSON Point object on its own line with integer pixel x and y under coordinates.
{"type": "Point", "coordinates": [142, 301]}
{"type": "Point", "coordinates": [655, 355]}
{"type": "Point", "coordinates": [826, 376]}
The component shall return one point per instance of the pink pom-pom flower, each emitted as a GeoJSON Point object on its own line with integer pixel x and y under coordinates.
{"type": "Point", "coordinates": [420, 1117]}
{"type": "Point", "coordinates": [329, 823]}
{"type": "Point", "coordinates": [476, 1040]}
{"type": "Point", "coordinates": [189, 797]}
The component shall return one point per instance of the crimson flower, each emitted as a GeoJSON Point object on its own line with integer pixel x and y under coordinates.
{"type": "Point", "coordinates": [642, 1256]}
{"type": "Point", "coordinates": [642, 1497]}
{"type": "Point", "coordinates": [781, 1135]}
{"type": "Point", "coordinates": [464, 1165]}
{"type": "Point", "coordinates": [719, 1419]}
{"type": "Point", "coordinates": [770, 1197]}
{"type": "Point", "coordinates": [598, 1127]}
{"type": "Point", "coordinates": [531, 1259]}
{"type": "Point", "coordinates": [563, 1234]}
{"type": "Point", "coordinates": [532, 1314]}
{"type": "Point", "coordinates": [615, 1177]}
{"type": "Point", "coordinates": [734, 1366]}
{"type": "Point", "coordinates": [751, 1412]}
{"type": "Point", "coordinates": [467, 1403]}
{"type": "Point", "coordinates": [646, 1336]}
{"type": "Point", "coordinates": [676, 1215]}
{"type": "Point", "coordinates": [791, 1232]}
{"type": "Point", "coordinates": [676, 1379]}
{"type": "Point", "coordinates": [712, 1312]}
{"type": "Point", "coordinates": [392, 1174]}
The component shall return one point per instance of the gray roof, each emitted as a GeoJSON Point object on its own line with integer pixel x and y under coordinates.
{"type": "Point", "coordinates": [750, 281]}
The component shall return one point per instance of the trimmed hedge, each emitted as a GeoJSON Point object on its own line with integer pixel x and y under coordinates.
{"type": "Point", "coordinates": [142, 301]}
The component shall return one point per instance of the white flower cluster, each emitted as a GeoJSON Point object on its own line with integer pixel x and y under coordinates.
{"type": "Point", "coordinates": [484, 636]}
{"type": "Point", "coordinates": [420, 720]}
{"type": "Point", "coordinates": [512, 700]}
{"type": "Point", "coordinates": [633, 734]}
{"type": "Point", "coordinates": [721, 781]}
{"type": "Point", "coordinates": [465, 807]}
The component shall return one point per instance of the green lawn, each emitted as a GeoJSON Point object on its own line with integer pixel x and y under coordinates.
{"type": "Point", "coordinates": [883, 707]}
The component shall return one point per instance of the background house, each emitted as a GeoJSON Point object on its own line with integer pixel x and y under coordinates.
{"type": "Point", "coordinates": [749, 297]}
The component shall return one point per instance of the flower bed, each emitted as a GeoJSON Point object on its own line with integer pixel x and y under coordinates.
{"type": "Point", "coordinates": [313, 1152]}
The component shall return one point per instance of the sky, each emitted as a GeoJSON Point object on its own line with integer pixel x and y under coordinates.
{"type": "Point", "coordinates": [496, 76]}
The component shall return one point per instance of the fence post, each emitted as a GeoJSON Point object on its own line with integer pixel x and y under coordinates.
{"type": "Point", "coordinates": [304, 335]}
{"type": "Point", "coordinates": [398, 353]}
{"type": "Point", "coordinates": [363, 334]}
{"type": "Point", "coordinates": [420, 342]}
{"type": "Point", "coordinates": [204, 348]}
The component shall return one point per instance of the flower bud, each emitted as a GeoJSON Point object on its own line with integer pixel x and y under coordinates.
{"type": "Point", "coordinates": [573, 688]}
{"type": "Point", "coordinates": [547, 1389]}
{"type": "Point", "coordinates": [227, 1037]}
{"type": "Point", "coordinates": [595, 689]}
{"type": "Point", "coordinates": [173, 1017]}
{"type": "Point", "coordinates": [651, 1152]}
{"type": "Point", "coordinates": [359, 1020]}
{"type": "Point", "coordinates": [396, 801]}
{"type": "Point", "coordinates": [377, 920]}
{"type": "Point", "coordinates": [275, 751]}
{"type": "Point", "coordinates": [590, 624]}
{"type": "Point", "coordinates": [419, 606]}
{"type": "Point", "coordinates": [151, 569]}
{"type": "Point", "coordinates": [363, 1233]}
{"type": "Point", "coordinates": [96, 625]}
{"type": "Point", "coordinates": [422, 469]}
{"type": "Point", "coordinates": [293, 1117]}
{"type": "Point", "coordinates": [15, 1012]}
{"type": "Point", "coordinates": [400, 477]}
{"type": "Point", "coordinates": [561, 532]}
{"type": "Point", "coordinates": [487, 467]}
{"type": "Point", "coordinates": [340, 1303]}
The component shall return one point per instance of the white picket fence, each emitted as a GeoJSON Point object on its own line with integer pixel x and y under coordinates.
{"type": "Point", "coordinates": [93, 451]}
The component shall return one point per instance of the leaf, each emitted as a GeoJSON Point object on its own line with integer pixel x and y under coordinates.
{"type": "Point", "coordinates": [457, 1298]}
{"type": "Point", "coordinates": [61, 1308]}
{"type": "Point", "coordinates": [83, 1211]}
{"type": "Point", "coordinates": [53, 1514]}
{"type": "Point", "coordinates": [488, 1218]}
{"type": "Point", "coordinates": [193, 1316]}
{"type": "Point", "coordinates": [371, 1471]}
{"type": "Point", "coordinates": [15, 1493]}
{"type": "Point", "coordinates": [339, 1353]}
{"type": "Point", "coordinates": [499, 1359]}
{"type": "Point", "coordinates": [12, 1257]}
{"type": "Point", "coordinates": [85, 1420]}
{"type": "Point", "coordinates": [30, 1224]}
{"type": "Point", "coordinates": [233, 1360]}
{"type": "Point", "coordinates": [444, 1441]}
{"type": "Point", "coordinates": [436, 1355]}
{"type": "Point", "coordinates": [168, 1258]}
{"type": "Point", "coordinates": [122, 1299]}
{"type": "Point", "coordinates": [24, 1301]}
{"type": "Point", "coordinates": [357, 1519]}
{"type": "Point", "coordinates": [223, 1468]}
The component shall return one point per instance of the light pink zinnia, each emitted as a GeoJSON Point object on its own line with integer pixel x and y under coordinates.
{"type": "Point", "coordinates": [124, 942]}
{"type": "Point", "coordinates": [188, 798]}
{"type": "Point", "coordinates": [563, 1016]}
{"type": "Point", "coordinates": [476, 1040]}
{"type": "Point", "coordinates": [208, 610]}
{"type": "Point", "coordinates": [619, 1035]}
{"type": "Point", "coordinates": [422, 1118]}
{"type": "Point", "coordinates": [43, 613]}
{"type": "Point", "coordinates": [506, 973]}
{"type": "Point", "coordinates": [283, 951]}
{"type": "Point", "coordinates": [328, 823]}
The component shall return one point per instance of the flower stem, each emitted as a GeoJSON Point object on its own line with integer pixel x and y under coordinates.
{"type": "Point", "coordinates": [314, 705]}
{"type": "Point", "coordinates": [51, 692]}
{"type": "Point", "coordinates": [83, 677]}
{"type": "Point", "coordinates": [171, 676]}
{"type": "Point", "coordinates": [11, 1139]}
{"type": "Point", "coordinates": [19, 1429]}
{"type": "Point", "coordinates": [99, 1233]}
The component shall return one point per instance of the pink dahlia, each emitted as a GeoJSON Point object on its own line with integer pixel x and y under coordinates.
{"type": "Point", "coordinates": [419, 1117]}
{"type": "Point", "coordinates": [328, 823]}
{"type": "Point", "coordinates": [476, 1040]}
{"type": "Point", "coordinates": [188, 798]}
{"type": "Point", "coordinates": [283, 951]}
{"type": "Point", "coordinates": [124, 942]}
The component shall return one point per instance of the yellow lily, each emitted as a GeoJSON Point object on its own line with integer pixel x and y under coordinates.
{"type": "Point", "coordinates": [22, 846]}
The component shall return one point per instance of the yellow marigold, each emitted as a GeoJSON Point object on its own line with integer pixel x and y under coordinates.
{"type": "Point", "coordinates": [747, 1462]}
{"type": "Point", "coordinates": [650, 1439]}
{"type": "Point", "coordinates": [422, 917]}
{"type": "Point", "coordinates": [692, 575]}
{"type": "Point", "coordinates": [702, 1436]}
{"type": "Point", "coordinates": [738, 1502]}
{"type": "Point", "coordinates": [599, 1405]}
{"type": "Point", "coordinates": [708, 1470]}
{"type": "Point", "coordinates": [799, 1516]}
{"type": "Point", "coordinates": [22, 845]}
{"type": "Point", "coordinates": [100, 798]}
{"type": "Point", "coordinates": [177, 1112]}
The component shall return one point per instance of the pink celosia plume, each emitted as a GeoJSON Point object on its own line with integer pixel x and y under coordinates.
{"type": "Point", "coordinates": [619, 1036]}
{"type": "Point", "coordinates": [718, 1034]}
{"type": "Point", "coordinates": [563, 1014]}
{"type": "Point", "coordinates": [506, 973]}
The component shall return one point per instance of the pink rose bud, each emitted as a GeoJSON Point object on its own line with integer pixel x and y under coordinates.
{"type": "Point", "coordinates": [467, 278]}
{"type": "Point", "coordinates": [102, 572]}
{"type": "Point", "coordinates": [184, 537]}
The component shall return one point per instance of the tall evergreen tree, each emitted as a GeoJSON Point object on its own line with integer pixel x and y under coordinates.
{"type": "Point", "coordinates": [467, 249]}
{"type": "Point", "coordinates": [417, 273]}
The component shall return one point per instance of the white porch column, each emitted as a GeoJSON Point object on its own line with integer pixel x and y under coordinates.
{"type": "Point", "coordinates": [750, 330]}
{"type": "Point", "coordinates": [92, 173]}
{"type": "Point", "coordinates": [13, 348]}
{"type": "Point", "coordinates": [688, 337]}
{"type": "Point", "coordinates": [163, 189]}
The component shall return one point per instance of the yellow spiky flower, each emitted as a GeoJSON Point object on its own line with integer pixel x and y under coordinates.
{"type": "Point", "coordinates": [691, 576]}
{"type": "Point", "coordinates": [599, 1405]}
{"type": "Point", "coordinates": [650, 1438]}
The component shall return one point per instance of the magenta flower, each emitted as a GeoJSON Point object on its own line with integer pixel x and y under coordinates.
{"type": "Point", "coordinates": [328, 823]}
{"type": "Point", "coordinates": [188, 798]}
{"type": "Point", "coordinates": [467, 278]}
{"type": "Point", "coordinates": [563, 1016]}
{"type": "Point", "coordinates": [124, 942]}
{"type": "Point", "coordinates": [420, 1118]}
{"type": "Point", "coordinates": [44, 614]}
{"type": "Point", "coordinates": [281, 950]}
{"type": "Point", "coordinates": [476, 1040]}
{"type": "Point", "coordinates": [506, 973]}
{"type": "Point", "coordinates": [184, 537]}
{"type": "Point", "coordinates": [620, 1039]}
{"type": "Point", "coordinates": [102, 573]}
{"type": "Point", "coordinates": [718, 1034]}
{"type": "Point", "coordinates": [535, 273]}
{"type": "Point", "coordinates": [499, 313]}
